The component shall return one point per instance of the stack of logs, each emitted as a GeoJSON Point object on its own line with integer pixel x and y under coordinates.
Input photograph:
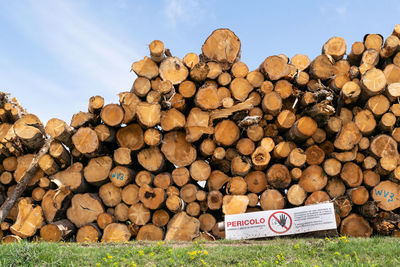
{"type": "Point", "coordinates": [202, 136]}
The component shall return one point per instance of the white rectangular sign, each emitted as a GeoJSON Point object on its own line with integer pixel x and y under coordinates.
{"type": "Point", "coordinates": [304, 219]}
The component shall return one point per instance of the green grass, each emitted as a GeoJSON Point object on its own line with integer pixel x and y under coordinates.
{"type": "Point", "coordinates": [377, 251]}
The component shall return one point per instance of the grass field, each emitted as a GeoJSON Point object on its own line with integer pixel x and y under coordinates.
{"type": "Point", "coordinates": [342, 251]}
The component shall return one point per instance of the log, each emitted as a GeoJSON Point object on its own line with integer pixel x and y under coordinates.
{"type": "Point", "coordinates": [317, 197]}
{"type": "Point", "coordinates": [84, 209]}
{"type": "Point", "coordinates": [148, 114]}
{"type": "Point", "coordinates": [160, 218]}
{"type": "Point", "coordinates": [359, 195]}
{"type": "Point", "coordinates": [296, 195]}
{"type": "Point", "coordinates": [59, 130]}
{"type": "Point", "coordinates": [145, 68]}
{"type": "Point", "coordinates": [86, 141]}
{"type": "Point", "coordinates": [322, 68]}
{"type": "Point", "coordinates": [355, 225]}
{"type": "Point", "coordinates": [222, 46]}
{"type": "Point", "coordinates": [29, 129]}
{"type": "Point", "coordinates": [314, 155]}
{"type": "Point", "coordinates": [26, 162]}
{"type": "Point", "coordinates": [373, 82]}
{"type": "Point", "coordinates": [110, 194]}
{"type": "Point", "coordinates": [55, 203]}
{"type": "Point", "coordinates": [71, 177]}
{"type": "Point", "coordinates": [116, 232]}
{"type": "Point", "coordinates": [275, 67]}
{"type": "Point", "coordinates": [302, 129]}
{"type": "Point", "coordinates": [112, 115]}
{"type": "Point", "coordinates": [88, 233]}
{"type": "Point", "coordinates": [256, 181]}
{"type": "Point", "coordinates": [335, 188]}
{"type": "Point", "coordinates": [121, 176]}
{"type": "Point", "coordinates": [157, 49]}
{"type": "Point", "coordinates": [240, 88]}
{"type": "Point", "coordinates": [104, 219]}
{"type": "Point", "coordinates": [177, 150]}
{"type": "Point", "coordinates": [272, 199]}
{"type": "Point", "coordinates": [351, 174]}
{"type": "Point", "coordinates": [139, 214]}
{"type": "Point", "coordinates": [190, 60]}
{"type": "Point", "coordinates": [386, 194]}
{"type": "Point", "coordinates": [200, 170]}
{"type": "Point", "coordinates": [121, 212]}
{"type": "Point", "coordinates": [172, 69]}
{"type": "Point", "coordinates": [151, 159]}
{"type": "Point", "coordinates": [384, 146]}
{"type": "Point", "coordinates": [82, 119]}
{"type": "Point", "coordinates": [335, 47]}
{"type": "Point", "coordinates": [150, 232]}
{"type": "Point", "coordinates": [29, 219]}
{"type": "Point", "coordinates": [37, 194]}
{"type": "Point", "coordinates": [278, 176]}
{"type": "Point", "coordinates": [313, 179]}
{"type": "Point", "coordinates": [60, 154]}
{"type": "Point", "coordinates": [348, 137]}
{"type": "Point", "coordinates": [236, 186]}
{"type": "Point", "coordinates": [152, 198]}
{"type": "Point", "coordinates": [174, 203]}
{"type": "Point", "coordinates": [199, 72]}
{"type": "Point", "coordinates": [57, 231]}
{"type": "Point", "coordinates": [182, 228]}
{"type": "Point", "coordinates": [97, 170]}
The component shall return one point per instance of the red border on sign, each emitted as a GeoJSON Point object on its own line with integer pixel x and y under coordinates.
{"type": "Point", "coordinates": [273, 216]}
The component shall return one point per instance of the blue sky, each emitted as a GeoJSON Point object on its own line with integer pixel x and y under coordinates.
{"type": "Point", "coordinates": [54, 55]}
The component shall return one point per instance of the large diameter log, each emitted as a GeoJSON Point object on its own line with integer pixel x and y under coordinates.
{"type": "Point", "coordinates": [278, 176]}
{"type": "Point", "coordinates": [139, 214]}
{"type": "Point", "coordinates": [222, 46]}
{"type": "Point", "coordinates": [351, 174]}
{"type": "Point", "coordinates": [313, 179]}
{"type": "Point", "coordinates": [172, 69]}
{"type": "Point", "coordinates": [256, 181]}
{"type": "Point", "coordinates": [121, 176]}
{"type": "Point", "coordinates": [207, 98]}
{"type": "Point", "coordinates": [218, 179]}
{"type": "Point", "coordinates": [373, 81]}
{"type": "Point", "coordinates": [71, 177]}
{"type": "Point", "coordinates": [150, 232]}
{"type": "Point", "coordinates": [234, 204]}
{"type": "Point", "coordinates": [387, 193]}
{"type": "Point", "coordinates": [29, 219]}
{"type": "Point", "coordinates": [160, 218]}
{"type": "Point", "coordinates": [116, 232]}
{"type": "Point", "coordinates": [355, 225]}
{"type": "Point", "coordinates": [97, 170]}
{"type": "Point", "coordinates": [29, 130]}
{"type": "Point", "coordinates": [197, 124]}
{"type": "Point", "coordinates": [172, 119]}
{"type": "Point", "coordinates": [130, 137]}
{"type": "Point", "coordinates": [384, 146]}
{"type": "Point", "coordinates": [57, 231]}
{"type": "Point", "coordinates": [177, 150]}
{"type": "Point", "coordinates": [182, 227]}
{"type": "Point", "coordinates": [84, 209]}
{"type": "Point", "coordinates": [110, 194]}
{"type": "Point", "coordinates": [322, 67]}
{"type": "Point", "coordinates": [24, 163]}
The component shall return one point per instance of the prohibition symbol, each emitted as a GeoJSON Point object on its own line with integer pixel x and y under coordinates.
{"type": "Point", "coordinates": [280, 222]}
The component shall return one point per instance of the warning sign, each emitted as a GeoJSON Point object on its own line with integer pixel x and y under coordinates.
{"type": "Point", "coordinates": [305, 219]}
{"type": "Point", "coordinates": [280, 222]}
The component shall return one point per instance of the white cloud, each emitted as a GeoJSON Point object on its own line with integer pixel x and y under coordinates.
{"type": "Point", "coordinates": [183, 11]}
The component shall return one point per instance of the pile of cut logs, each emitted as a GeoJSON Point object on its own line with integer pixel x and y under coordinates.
{"type": "Point", "coordinates": [202, 136]}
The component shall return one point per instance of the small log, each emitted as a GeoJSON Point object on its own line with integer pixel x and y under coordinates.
{"type": "Point", "coordinates": [384, 146]}
{"type": "Point", "coordinates": [275, 67]}
{"type": "Point", "coordinates": [302, 129]}
{"type": "Point", "coordinates": [148, 114]}
{"type": "Point", "coordinates": [48, 164]}
{"type": "Point", "coordinates": [278, 176]}
{"type": "Point", "coordinates": [236, 186]}
{"type": "Point", "coordinates": [121, 212]}
{"type": "Point", "coordinates": [200, 170]}
{"type": "Point", "coordinates": [172, 69]}
{"type": "Point", "coordinates": [121, 176]}
{"type": "Point", "coordinates": [88, 233]}
{"type": "Point", "coordinates": [160, 218]}
{"type": "Point", "coordinates": [59, 130]}
{"type": "Point", "coordinates": [373, 82]}
{"type": "Point", "coordinates": [104, 219]}
{"type": "Point", "coordinates": [151, 159]}
{"type": "Point", "coordinates": [214, 200]}
{"type": "Point", "coordinates": [190, 60]}
{"type": "Point", "coordinates": [105, 133]}
{"type": "Point", "coordinates": [322, 68]}
{"type": "Point", "coordinates": [84, 209]}
{"type": "Point", "coordinates": [177, 150]}
{"type": "Point", "coordinates": [231, 205]}
{"type": "Point", "coordinates": [71, 177]}
{"type": "Point", "coordinates": [359, 195]}
{"type": "Point", "coordinates": [317, 197]}
{"type": "Point", "coordinates": [24, 163]}
{"type": "Point", "coordinates": [6, 178]}
{"type": "Point", "coordinates": [139, 214]}
{"type": "Point", "coordinates": [296, 195]}
{"type": "Point", "coordinates": [314, 155]}
{"type": "Point", "coordinates": [60, 154]}
{"type": "Point", "coordinates": [272, 103]}
{"type": "Point", "coordinates": [82, 119]}
{"type": "Point", "coordinates": [55, 203]}
{"type": "Point", "coordinates": [152, 198]}
{"type": "Point", "coordinates": [199, 72]}
{"type": "Point", "coordinates": [313, 179]}
{"type": "Point", "coordinates": [150, 232]}
{"type": "Point", "coordinates": [355, 225]}
{"type": "Point", "coordinates": [29, 129]}
{"type": "Point", "coordinates": [348, 137]}
{"type": "Point", "coordinates": [86, 141]}
{"type": "Point", "coordinates": [386, 194]}
{"type": "Point", "coordinates": [335, 188]}
{"type": "Point", "coordinates": [145, 68]}
{"type": "Point", "coordinates": [157, 50]}
{"type": "Point", "coordinates": [152, 137]}
{"type": "Point", "coordinates": [37, 193]}
{"type": "Point", "coordinates": [272, 199]}
{"type": "Point", "coordinates": [116, 232]}
{"type": "Point", "coordinates": [110, 194]}
{"type": "Point", "coordinates": [256, 181]}
{"type": "Point", "coordinates": [129, 103]}
{"type": "Point", "coordinates": [57, 231]}
{"type": "Point", "coordinates": [335, 47]}
{"type": "Point", "coordinates": [174, 203]}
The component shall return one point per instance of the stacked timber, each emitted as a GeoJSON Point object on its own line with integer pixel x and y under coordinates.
{"type": "Point", "coordinates": [200, 137]}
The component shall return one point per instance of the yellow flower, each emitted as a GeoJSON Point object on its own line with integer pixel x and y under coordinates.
{"type": "Point", "coordinates": [205, 252]}
{"type": "Point", "coordinates": [336, 253]}
{"type": "Point", "coordinates": [141, 252]}
{"type": "Point", "coordinates": [297, 246]}
{"type": "Point", "coordinates": [97, 264]}
{"type": "Point", "coordinates": [151, 254]}
{"type": "Point", "coordinates": [170, 250]}
{"type": "Point", "coordinates": [133, 264]}
{"type": "Point", "coordinates": [109, 256]}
